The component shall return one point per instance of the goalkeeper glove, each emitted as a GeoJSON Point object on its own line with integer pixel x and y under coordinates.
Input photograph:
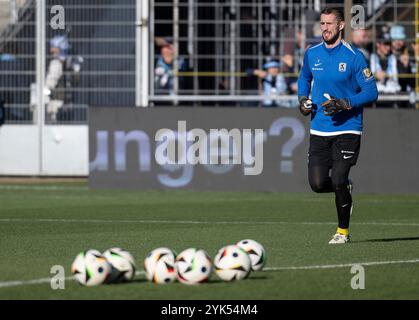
{"type": "Point", "coordinates": [305, 105]}
{"type": "Point", "coordinates": [333, 105]}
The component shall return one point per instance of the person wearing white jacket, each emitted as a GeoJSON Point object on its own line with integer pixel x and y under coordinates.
{"type": "Point", "coordinates": [384, 66]}
{"type": "Point", "coordinates": [54, 81]}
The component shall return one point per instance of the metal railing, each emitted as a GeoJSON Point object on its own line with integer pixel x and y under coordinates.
{"type": "Point", "coordinates": [118, 43]}
{"type": "Point", "coordinates": [214, 42]}
{"type": "Point", "coordinates": [98, 68]}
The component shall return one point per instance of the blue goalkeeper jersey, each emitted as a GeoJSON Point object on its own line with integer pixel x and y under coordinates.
{"type": "Point", "coordinates": [342, 72]}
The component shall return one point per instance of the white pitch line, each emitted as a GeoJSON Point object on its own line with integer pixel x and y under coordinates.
{"type": "Point", "coordinates": [41, 188]}
{"type": "Point", "coordinates": [156, 221]}
{"type": "Point", "coordinates": [406, 224]}
{"type": "Point", "coordinates": [17, 283]}
{"type": "Point", "coordinates": [346, 265]}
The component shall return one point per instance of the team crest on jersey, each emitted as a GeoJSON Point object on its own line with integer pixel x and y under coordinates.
{"type": "Point", "coordinates": [367, 73]}
{"type": "Point", "coordinates": [342, 67]}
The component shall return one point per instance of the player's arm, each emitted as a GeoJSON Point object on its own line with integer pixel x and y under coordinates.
{"type": "Point", "coordinates": [366, 81]}
{"type": "Point", "coordinates": [368, 93]}
{"type": "Point", "coordinates": [304, 87]}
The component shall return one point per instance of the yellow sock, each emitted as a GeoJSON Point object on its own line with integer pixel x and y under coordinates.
{"type": "Point", "coordinates": [343, 231]}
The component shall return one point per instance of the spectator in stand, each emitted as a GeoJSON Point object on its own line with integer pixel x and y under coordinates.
{"type": "Point", "coordinates": [360, 39]}
{"type": "Point", "coordinates": [316, 38]}
{"type": "Point", "coordinates": [273, 82]}
{"type": "Point", "coordinates": [384, 66]}
{"type": "Point", "coordinates": [290, 74]}
{"type": "Point", "coordinates": [164, 73]}
{"type": "Point", "coordinates": [54, 81]}
{"type": "Point", "coordinates": [405, 65]}
{"type": "Point", "coordinates": [294, 47]}
{"type": "Point", "coordinates": [398, 38]}
{"type": "Point", "coordinates": [63, 73]}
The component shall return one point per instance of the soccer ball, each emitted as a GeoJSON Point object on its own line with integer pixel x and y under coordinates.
{"type": "Point", "coordinates": [193, 266]}
{"type": "Point", "coordinates": [123, 265]}
{"type": "Point", "coordinates": [90, 268]}
{"type": "Point", "coordinates": [232, 263]}
{"type": "Point", "coordinates": [159, 265]}
{"type": "Point", "coordinates": [255, 251]}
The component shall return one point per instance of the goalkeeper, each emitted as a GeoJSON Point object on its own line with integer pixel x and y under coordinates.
{"type": "Point", "coordinates": [340, 83]}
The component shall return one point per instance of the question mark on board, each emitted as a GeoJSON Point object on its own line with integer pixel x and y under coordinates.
{"type": "Point", "coordinates": [297, 137]}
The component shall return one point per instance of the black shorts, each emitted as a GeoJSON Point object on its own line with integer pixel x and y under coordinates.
{"type": "Point", "coordinates": [323, 151]}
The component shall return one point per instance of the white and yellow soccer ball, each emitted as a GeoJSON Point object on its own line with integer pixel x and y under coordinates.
{"type": "Point", "coordinates": [232, 263]}
{"type": "Point", "coordinates": [123, 265]}
{"type": "Point", "coordinates": [193, 266]}
{"type": "Point", "coordinates": [159, 265]}
{"type": "Point", "coordinates": [256, 253]}
{"type": "Point", "coordinates": [90, 268]}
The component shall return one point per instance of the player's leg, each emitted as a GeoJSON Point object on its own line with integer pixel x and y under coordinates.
{"type": "Point", "coordinates": [343, 197]}
{"type": "Point", "coordinates": [319, 179]}
{"type": "Point", "coordinates": [345, 154]}
{"type": "Point", "coordinates": [319, 164]}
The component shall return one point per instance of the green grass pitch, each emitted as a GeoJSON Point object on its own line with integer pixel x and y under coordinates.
{"type": "Point", "coordinates": [46, 225]}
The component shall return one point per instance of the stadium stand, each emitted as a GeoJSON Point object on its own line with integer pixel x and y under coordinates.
{"type": "Point", "coordinates": [102, 34]}
{"type": "Point", "coordinates": [217, 40]}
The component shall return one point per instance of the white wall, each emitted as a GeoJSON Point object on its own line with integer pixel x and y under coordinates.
{"type": "Point", "coordinates": [64, 150]}
{"type": "Point", "coordinates": [19, 150]}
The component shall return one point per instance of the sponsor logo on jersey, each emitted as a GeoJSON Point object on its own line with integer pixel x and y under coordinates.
{"type": "Point", "coordinates": [317, 65]}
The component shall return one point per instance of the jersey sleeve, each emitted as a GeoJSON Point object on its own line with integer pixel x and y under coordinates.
{"type": "Point", "coordinates": [366, 82]}
{"type": "Point", "coordinates": [304, 80]}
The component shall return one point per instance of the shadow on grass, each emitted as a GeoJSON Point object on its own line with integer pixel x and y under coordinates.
{"type": "Point", "coordinates": [143, 280]}
{"type": "Point", "coordinates": [211, 281]}
{"type": "Point", "coordinates": [388, 240]}
{"type": "Point", "coordinates": [127, 282]}
{"type": "Point", "coordinates": [215, 281]}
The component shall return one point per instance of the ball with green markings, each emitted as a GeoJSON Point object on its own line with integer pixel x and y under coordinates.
{"type": "Point", "coordinates": [90, 268]}
{"type": "Point", "coordinates": [194, 266]}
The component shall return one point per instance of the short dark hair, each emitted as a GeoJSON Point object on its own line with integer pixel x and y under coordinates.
{"type": "Point", "coordinates": [336, 11]}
